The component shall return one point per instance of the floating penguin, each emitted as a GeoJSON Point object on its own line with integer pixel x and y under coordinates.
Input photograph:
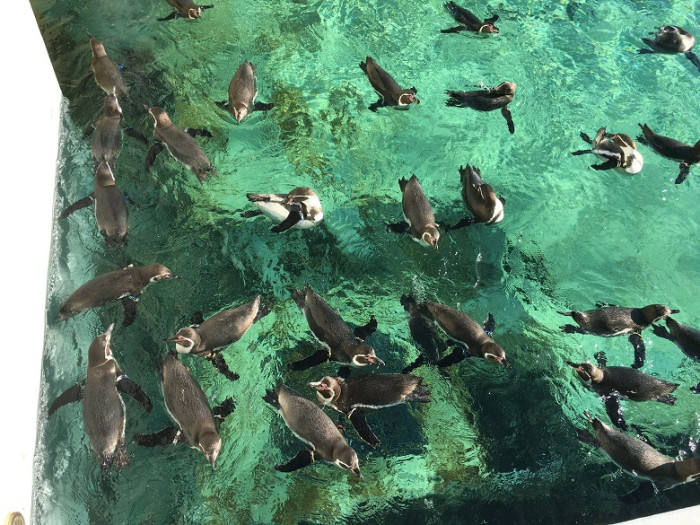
{"type": "Point", "coordinates": [480, 199]}
{"type": "Point", "coordinates": [390, 93]}
{"type": "Point", "coordinates": [352, 396]}
{"type": "Point", "coordinates": [618, 151]}
{"type": "Point", "coordinates": [110, 207]}
{"type": "Point", "coordinates": [418, 214]}
{"type": "Point", "coordinates": [671, 40]}
{"type": "Point", "coordinates": [486, 99]}
{"type": "Point", "coordinates": [339, 343]}
{"type": "Point", "coordinates": [469, 21]}
{"type": "Point", "coordinates": [185, 9]}
{"type": "Point", "coordinates": [180, 144]}
{"type": "Point", "coordinates": [423, 332]}
{"type": "Point", "coordinates": [207, 338]}
{"type": "Point", "coordinates": [242, 92]}
{"type": "Point", "coordinates": [312, 426]}
{"type": "Point", "coordinates": [195, 423]}
{"type": "Point", "coordinates": [126, 284]}
{"type": "Point", "coordinates": [672, 149]}
{"type": "Point", "coordinates": [611, 321]}
{"type": "Point", "coordinates": [107, 137]}
{"type": "Point", "coordinates": [640, 459]}
{"type": "Point", "coordinates": [300, 208]}
{"type": "Point", "coordinates": [106, 72]}
{"type": "Point", "coordinates": [685, 337]}
{"type": "Point", "coordinates": [103, 408]}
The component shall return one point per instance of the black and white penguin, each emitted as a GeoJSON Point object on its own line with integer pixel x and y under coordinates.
{"type": "Point", "coordinates": [107, 136]}
{"type": "Point", "coordinates": [300, 208]}
{"type": "Point", "coordinates": [103, 408]}
{"type": "Point", "coordinates": [195, 423]}
{"type": "Point", "coordinates": [180, 144]}
{"type": "Point", "coordinates": [486, 99]}
{"type": "Point", "coordinates": [418, 214]}
{"type": "Point", "coordinates": [389, 91]}
{"type": "Point", "coordinates": [312, 426]}
{"type": "Point", "coordinates": [242, 92]}
{"type": "Point", "coordinates": [369, 392]}
{"type": "Point", "coordinates": [671, 40]}
{"type": "Point", "coordinates": [617, 150]}
{"type": "Point", "coordinates": [685, 337]}
{"type": "Point", "coordinates": [339, 343]}
{"type": "Point", "coordinates": [207, 338]}
{"type": "Point", "coordinates": [468, 21]}
{"type": "Point", "coordinates": [106, 72]}
{"type": "Point", "coordinates": [424, 332]}
{"type": "Point", "coordinates": [480, 199]}
{"type": "Point", "coordinates": [126, 284]}
{"type": "Point", "coordinates": [185, 9]}
{"type": "Point", "coordinates": [672, 149]}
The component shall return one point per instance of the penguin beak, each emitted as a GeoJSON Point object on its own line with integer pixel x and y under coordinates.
{"type": "Point", "coordinates": [374, 359]}
{"type": "Point", "coordinates": [319, 385]}
{"type": "Point", "coordinates": [359, 474]}
{"type": "Point", "coordinates": [176, 339]}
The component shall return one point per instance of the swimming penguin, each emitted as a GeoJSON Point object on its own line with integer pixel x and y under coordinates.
{"type": "Point", "coordinates": [126, 284]}
{"type": "Point", "coordinates": [418, 214]}
{"type": "Point", "coordinates": [640, 459]}
{"type": "Point", "coordinates": [480, 199]}
{"type": "Point", "coordinates": [424, 333]}
{"type": "Point", "coordinates": [486, 99]}
{"type": "Point", "coordinates": [106, 72]}
{"type": "Point", "coordinates": [300, 208]}
{"type": "Point", "coordinates": [207, 338]}
{"type": "Point", "coordinates": [180, 144]}
{"type": "Point", "coordinates": [185, 9]}
{"type": "Point", "coordinates": [685, 337]}
{"type": "Point", "coordinates": [468, 21]}
{"type": "Point", "coordinates": [390, 93]}
{"type": "Point", "coordinates": [372, 392]}
{"type": "Point", "coordinates": [242, 92]}
{"type": "Point", "coordinates": [670, 40]}
{"type": "Point", "coordinates": [195, 423]}
{"type": "Point", "coordinates": [103, 408]}
{"type": "Point", "coordinates": [339, 343]}
{"type": "Point", "coordinates": [611, 321]}
{"type": "Point", "coordinates": [107, 137]}
{"type": "Point", "coordinates": [672, 149]}
{"type": "Point", "coordinates": [619, 152]}
{"type": "Point", "coordinates": [110, 207]}
{"type": "Point", "coordinates": [312, 426]}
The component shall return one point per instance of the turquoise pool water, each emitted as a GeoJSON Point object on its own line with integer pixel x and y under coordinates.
{"type": "Point", "coordinates": [493, 446]}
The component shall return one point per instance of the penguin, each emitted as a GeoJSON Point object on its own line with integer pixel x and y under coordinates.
{"type": "Point", "coordinates": [418, 214]}
{"type": "Point", "coordinates": [106, 72]}
{"type": "Point", "coordinates": [300, 208]}
{"type": "Point", "coordinates": [611, 321]}
{"type": "Point", "coordinates": [107, 136]}
{"type": "Point", "coordinates": [619, 152]}
{"type": "Point", "coordinates": [352, 396]}
{"type": "Point", "coordinates": [185, 9]}
{"type": "Point", "coordinates": [103, 408]}
{"type": "Point", "coordinates": [640, 459]}
{"type": "Point", "coordinates": [242, 92]}
{"type": "Point", "coordinates": [486, 99]}
{"type": "Point", "coordinates": [480, 199]}
{"type": "Point", "coordinates": [180, 144]}
{"type": "Point", "coordinates": [110, 207]}
{"type": "Point", "coordinates": [685, 337]}
{"type": "Point", "coordinates": [207, 338]}
{"type": "Point", "coordinates": [423, 332]}
{"type": "Point", "coordinates": [468, 21]}
{"type": "Point", "coordinates": [339, 343]}
{"type": "Point", "coordinates": [195, 423]}
{"type": "Point", "coordinates": [312, 426]}
{"type": "Point", "coordinates": [126, 284]}
{"type": "Point", "coordinates": [390, 93]}
{"type": "Point", "coordinates": [671, 40]}
{"type": "Point", "coordinates": [672, 149]}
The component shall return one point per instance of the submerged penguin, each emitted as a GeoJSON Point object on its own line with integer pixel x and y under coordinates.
{"type": "Point", "coordinates": [352, 396]}
{"type": "Point", "coordinates": [339, 343]}
{"type": "Point", "coordinates": [195, 423]}
{"type": "Point", "coordinates": [424, 333]}
{"type": "Point", "coordinates": [207, 338]}
{"type": "Point", "coordinates": [300, 208]}
{"type": "Point", "coordinates": [242, 92]}
{"type": "Point", "coordinates": [106, 72]}
{"type": "Point", "coordinates": [185, 9]}
{"type": "Point", "coordinates": [418, 214]}
{"type": "Point", "coordinates": [390, 93]}
{"type": "Point", "coordinates": [469, 21]}
{"type": "Point", "coordinates": [618, 151]}
{"type": "Point", "coordinates": [180, 144]}
{"type": "Point", "coordinates": [107, 136]}
{"type": "Point", "coordinates": [685, 337]}
{"type": "Point", "coordinates": [480, 199]}
{"type": "Point", "coordinates": [486, 99]}
{"type": "Point", "coordinates": [671, 40]}
{"type": "Point", "coordinates": [312, 426]}
{"type": "Point", "coordinates": [672, 149]}
{"type": "Point", "coordinates": [126, 284]}
{"type": "Point", "coordinates": [110, 207]}
{"type": "Point", "coordinates": [103, 408]}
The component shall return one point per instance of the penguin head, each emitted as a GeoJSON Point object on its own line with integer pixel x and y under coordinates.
{"type": "Point", "coordinates": [104, 176]}
{"type": "Point", "coordinates": [654, 312]}
{"type": "Point", "coordinates": [194, 12]}
{"type": "Point", "coordinates": [240, 111]}
{"type": "Point", "coordinates": [587, 372]}
{"type": "Point", "coordinates": [186, 339]}
{"type": "Point", "coordinates": [160, 117]}
{"type": "Point", "coordinates": [210, 444]}
{"type": "Point", "coordinates": [506, 88]}
{"type": "Point", "coordinates": [327, 389]}
{"type": "Point", "coordinates": [158, 272]}
{"type": "Point", "coordinates": [407, 96]}
{"type": "Point", "coordinates": [363, 355]}
{"type": "Point", "coordinates": [493, 352]}
{"type": "Point", "coordinates": [346, 458]}
{"type": "Point", "coordinates": [431, 236]}
{"type": "Point", "coordinates": [98, 50]}
{"type": "Point", "coordinates": [488, 27]}
{"type": "Point", "coordinates": [100, 351]}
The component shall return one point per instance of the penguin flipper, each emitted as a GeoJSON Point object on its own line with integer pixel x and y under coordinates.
{"type": "Point", "coordinates": [466, 221]}
{"type": "Point", "coordinates": [456, 29]}
{"type": "Point", "coordinates": [601, 359]}
{"type": "Point", "coordinates": [164, 437]}
{"type": "Point", "coordinates": [646, 490]}
{"type": "Point", "coordinates": [357, 418]}
{"type": "Point", "coordinates": [262, 106]}
{"type": "Point", "coordinates": [378, 104]}
{"type": "Point", "coordinates": [317, 358]}
{"type": "Point", "coordinates": [684, 171]}
{"type": "Point", "coordinates": [399, 227]}
{"type": "Point", "coordinates": [203, 7]}
{"type": "Point", "coordinates": [489, 324]}
{"type": "Point", "coordinates": [363, 332]}
{"type": "Point", "coordinates": [661, 331]}
{"type": "Point", "coordinates": [126, 386]}
{"type": "Point", "coordinates": [152, 154]}
{"type": "Point", "coordinates": [418, 362]}
{"type": "Point", "coordinates": [293, 218]}
{"type": "Point", "coordinates": [639, 350]}
{"type": "Point", "coordinates": [78, 205]}
{"type": "Point", "coordinates": [74, 393]}
{"type": "Point", "coordinates": [505, 111]}
{"type": "Point", "coordinates": [133, 133]}
{"type": "Point", "coordinates": [250, 213]}
{"type": "Point", "coordinates": [169, 17]}
{"type": "Point", "coordinates": [303, 459]}
{"type": "Point", "coordinates": [693, 58]}
{"type": "Point", "coordinates": [223, 410]}
{"type": "Point", "coordinates": [220, 364]}
{"type": "Point", "coordinates": [197, 318]}
{"type": "Point", "coordinates": [571, 329]}
{"type": "Point", "coordinates": [129, 304]}
{"type": "Point", "coordinates": [614, 411]}
{"type": "Point", "coordinates": [222, 104]}
{"type": "Point", "coordinates": [198, 132]}
{"type": "Point", "coordinates": [458, 354]}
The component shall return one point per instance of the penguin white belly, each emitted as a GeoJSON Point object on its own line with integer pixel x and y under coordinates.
{"type": "Point", "coordinates": [498, 213]}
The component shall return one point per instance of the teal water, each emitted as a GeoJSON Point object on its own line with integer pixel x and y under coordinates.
{"type": "Point", "coordinates": [494, 446]}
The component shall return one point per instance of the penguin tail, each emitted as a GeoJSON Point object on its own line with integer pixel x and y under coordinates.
{"type": "Point", "coordinates": [299, 297]}
{"type": "Point", "coordinates": [262, 312]}
{"type": "Point", "coordinates": [407, 301]}
{"type": "Point", "coordinates": [363, 66]}
{"type": "Point", "coordinates": [402, 183]}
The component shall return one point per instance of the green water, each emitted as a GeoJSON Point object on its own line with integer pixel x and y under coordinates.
{"type": "Point", "coordinates": [493, 446]}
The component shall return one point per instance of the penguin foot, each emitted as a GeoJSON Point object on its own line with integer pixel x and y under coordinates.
{"type": "Point", "coordinates": [571, 329]}
{"type": "Point", "coordinates": [684, 171]}
{"type": "Point", "coordinates": [601, 359]}
{"type": "Point", "coordinates": [696, 389]}
{"type": "Point", "coordinates": [661, 331]}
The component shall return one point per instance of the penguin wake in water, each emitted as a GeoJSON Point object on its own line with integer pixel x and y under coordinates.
{"type": "Point", "coordinates": [185, 9]}
{"type": "Point", "coordinates": [671, 40]}
{"type": "Point", "coordinates": [242, 93]}
{"type": "Point", "coordinates": [685, 337]}
{"type": "Point", "coordinates": [617, 150]}
{"type": "Point", "coordinates": [424, 332]}
{"type": "Point", "coordinates": [103, 408]}
{"type": "Point", "coordinates": [468, 21]}
{"type": "Point", "coordinates": [207, 338]}
{"type": "Point", "coordinates": [389, 91]}
{"type": "Point", "coordinates": [300, 208]}
{"type": "Point", "coordinates": [418, 214]}
{"type": "Point", "coordinates": [480, 198]}
{"type": "Point", "coordinates": [672, 149]}
{"type": "Point", "coordinates": [486, 99]}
